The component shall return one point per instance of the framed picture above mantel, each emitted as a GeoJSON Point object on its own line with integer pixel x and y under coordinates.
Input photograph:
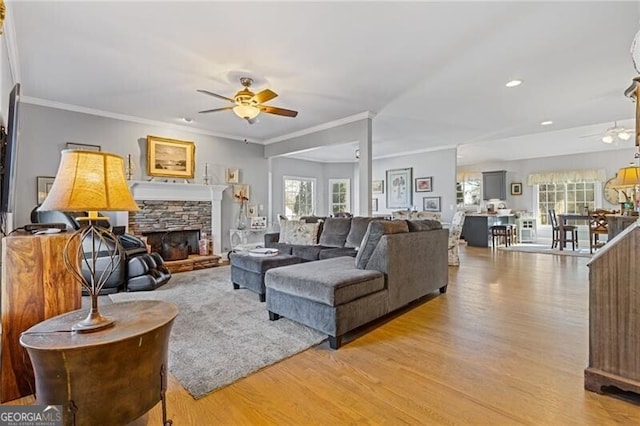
{"type": "Point", "coordinates": [170, 157]}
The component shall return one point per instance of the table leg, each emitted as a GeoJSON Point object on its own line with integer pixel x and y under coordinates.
{"type": "Point", "coordinates": [561, 237]}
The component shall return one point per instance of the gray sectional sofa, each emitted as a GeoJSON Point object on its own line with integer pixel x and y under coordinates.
{"type": "Point", "coordinates": [396, 263]}
{"type": "Point", "coordinates": [337, 236]}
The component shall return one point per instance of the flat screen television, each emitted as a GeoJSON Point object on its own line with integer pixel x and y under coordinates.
{"type": "Point", "coordinates": [8, 157]}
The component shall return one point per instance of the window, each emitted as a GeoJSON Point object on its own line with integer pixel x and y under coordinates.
{"type": "Point", "coordinates": [570, 197]}
{"type": "Point", "coordinates": [468, 190]}
{"type": "Point", "coordinates": [339, 200]}
{"type": "Point", "coordinates": [299, 196]}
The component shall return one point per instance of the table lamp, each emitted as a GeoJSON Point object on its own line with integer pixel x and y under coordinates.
{"type": "Point", "coordinates": [628, 177]}
{"type": "Point", "coordinates": [91, 181]}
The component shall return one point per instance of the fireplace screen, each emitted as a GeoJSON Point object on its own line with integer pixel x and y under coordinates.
{"type": "Point", "coordinates": [174, 245]}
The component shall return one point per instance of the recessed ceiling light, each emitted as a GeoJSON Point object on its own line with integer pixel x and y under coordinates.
{"type": "Point", "coordinates": [187, 119]}
{"type": "Point", "coordinates": [513, 83]}
{"type": "Point", "coordinates": [546, 123]}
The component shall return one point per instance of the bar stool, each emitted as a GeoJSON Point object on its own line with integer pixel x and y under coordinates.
{"type": "Point", "coordinates": [499, 232]}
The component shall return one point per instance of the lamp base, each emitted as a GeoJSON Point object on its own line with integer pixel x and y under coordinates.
{"type": "Point", "coordinates": [93, 322]}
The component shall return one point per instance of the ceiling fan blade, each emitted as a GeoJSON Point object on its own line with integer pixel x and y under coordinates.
{"type": "Point", "coordinates": [278, 111]}
{"type": "Point", "coordinates": [264, 96]}
{"type": "Point", "coordinates": [215, 110]}
{"type": "Point", "coordinates": [215, 95]}
{"type": "Point", "coordinates": [591, 135]}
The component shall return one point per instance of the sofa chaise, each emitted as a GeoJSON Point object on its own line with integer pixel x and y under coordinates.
{"type": "Point", "coordinates": [397, 262]}
{"type": "Point", "coordinates": [311, 238]}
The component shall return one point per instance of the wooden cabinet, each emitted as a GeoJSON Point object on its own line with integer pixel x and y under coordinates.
{"type": "Point", "coordinates": [614, 317]}
{"type": "Point", "coordinates": [35, 286]}
{"type": "Point", "coordinates": [494, 185]}
{"type": "Point", "coordinates": [617, 223]}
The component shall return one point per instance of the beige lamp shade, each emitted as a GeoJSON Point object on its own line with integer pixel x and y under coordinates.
{"type": "Point", "coordinates": [90, 181]}
{"type": "Point", "coordinates": [628, 177]}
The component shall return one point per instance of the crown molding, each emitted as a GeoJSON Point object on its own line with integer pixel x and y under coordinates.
{"type": "Point", "coordinates": [130, 118]}
{"type": "Point", "coordinates": [324, 126]}
{"type": "Point", "coordinates": [417, 151]}
{"type": "Point", "coordinates": [9, 31]}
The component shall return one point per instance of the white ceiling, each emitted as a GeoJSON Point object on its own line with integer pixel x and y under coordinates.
{"type": "Point", "coordinates": [432, 73]}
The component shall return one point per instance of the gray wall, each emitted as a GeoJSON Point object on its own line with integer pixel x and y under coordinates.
{"type": "Point", "coordinates": [441, 165]}
{"type": "Point", "coordinates": [45, 131]}
{"type": "Point", "coordinates": [322, 172]}
{"type": "Point", "coordinates": [357, 131]}
{"type": "Point", "coordinates": [518, 171]}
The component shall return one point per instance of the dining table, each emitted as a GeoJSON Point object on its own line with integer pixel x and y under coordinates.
{"type": "Point", "coordinates": [566, 217]}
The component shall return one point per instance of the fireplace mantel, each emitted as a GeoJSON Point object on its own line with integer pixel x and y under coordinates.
{"type": "Point", "coordinates": [169, 191]}
{"type": "Point", "coordinates": [142, 190]}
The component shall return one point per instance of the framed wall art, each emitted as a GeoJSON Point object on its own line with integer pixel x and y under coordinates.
{"type": "Point", "coordinates": [232, 175]}
{"type": "Point", "coordinates": [374, 204]}
{"type": "Point", "coordinates": [170, 157]}
{"type": "Point", "coordinates": [424, 184]}
{"type": "Point", "coordinates": [43, 184]}
{"type": "Point", "coordinates": [377, 187]}
{"type": "Point", "coordinates": [258, 222]}
{"type": "Point", "coordinates": [240, 193]}
{"type": "Point", "coordinates": [84, 146]}
{"type": "Point", "coordinates": [399, 190]}
{"type": "Point", "coordinates": [252, 210]}
{"type": "Point", "coordinates": [516, 188]}
{"type": "Point", "coordinates": [431, 204]}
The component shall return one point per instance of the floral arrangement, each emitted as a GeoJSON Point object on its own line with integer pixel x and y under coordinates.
{"type": "Point", "coordinates": [242, 199]}
{"type": "Point", "coordinates": [242, 216]}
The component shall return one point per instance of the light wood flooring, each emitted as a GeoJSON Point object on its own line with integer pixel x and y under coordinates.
{"type": "Point", "coordinates": [507, 344]}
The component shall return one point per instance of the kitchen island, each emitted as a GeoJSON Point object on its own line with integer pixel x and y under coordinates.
{"type": "Point", "coordinates": [476, 227]}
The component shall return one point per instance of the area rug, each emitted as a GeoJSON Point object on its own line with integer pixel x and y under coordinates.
{"type": "Point", "coordinates": [221, 334]}
{"type": "Point", "coordinates": [545, 249]}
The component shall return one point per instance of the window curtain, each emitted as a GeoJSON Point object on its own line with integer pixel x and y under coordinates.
{"type": "Point", "coordinates": [574, 176]}
{"type": "Point", "coordinates": [465, 176]}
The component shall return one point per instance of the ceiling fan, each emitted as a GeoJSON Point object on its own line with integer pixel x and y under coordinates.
{"type": "Point", "coordinates": [247, 104]}
{"type": "Point", "coordinates": [613, 133]}
{"type": "Point", "coordinates": [616, 132]}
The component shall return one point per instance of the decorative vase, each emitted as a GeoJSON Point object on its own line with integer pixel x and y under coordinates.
{"type": "Point", "coordinates": [242, 218]}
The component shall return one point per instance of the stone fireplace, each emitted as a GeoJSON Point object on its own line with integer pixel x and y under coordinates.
{"type": "Point", "coordinates": [186, 210]}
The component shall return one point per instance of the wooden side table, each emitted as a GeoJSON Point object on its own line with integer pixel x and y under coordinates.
{"type": "Point", "coordinates": [35, 286]}
{"type": "Point", "coordinates": [111, 376]}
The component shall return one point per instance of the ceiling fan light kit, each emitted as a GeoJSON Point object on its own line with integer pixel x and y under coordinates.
{"type": "Point", "coordinates": [249, 105]}
{"type": "Point", "coordinates": [607, 139]}
{"type": "Point", "coordinates": [246, 111]}
{"type": "Point", "coordinates": [614, 132]}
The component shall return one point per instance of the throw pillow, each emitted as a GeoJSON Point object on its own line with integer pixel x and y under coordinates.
{"type": "Point", "coordinates": [423, 225]}
{"type": "Point", "coordinates": [375, 231]}
{"type": "Point", "coordinates": [426, 215]}
{"type": "Point", "coordinates": [335, 231]}
{"type": "Point", "coordinates": [298, 232]}
{"type": "Point", "coordinates": [358, 229]}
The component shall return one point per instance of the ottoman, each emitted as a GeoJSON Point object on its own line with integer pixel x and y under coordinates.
{"type": "Point", "coordinates": [248, 270]}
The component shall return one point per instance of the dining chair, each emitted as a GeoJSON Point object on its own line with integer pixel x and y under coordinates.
{"type": "Point", "coordinates": [455, 230]}
{"type": "Point", "coordinates": [598, 225]}
{"type": "Point", "coordinates": [570, 230]}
